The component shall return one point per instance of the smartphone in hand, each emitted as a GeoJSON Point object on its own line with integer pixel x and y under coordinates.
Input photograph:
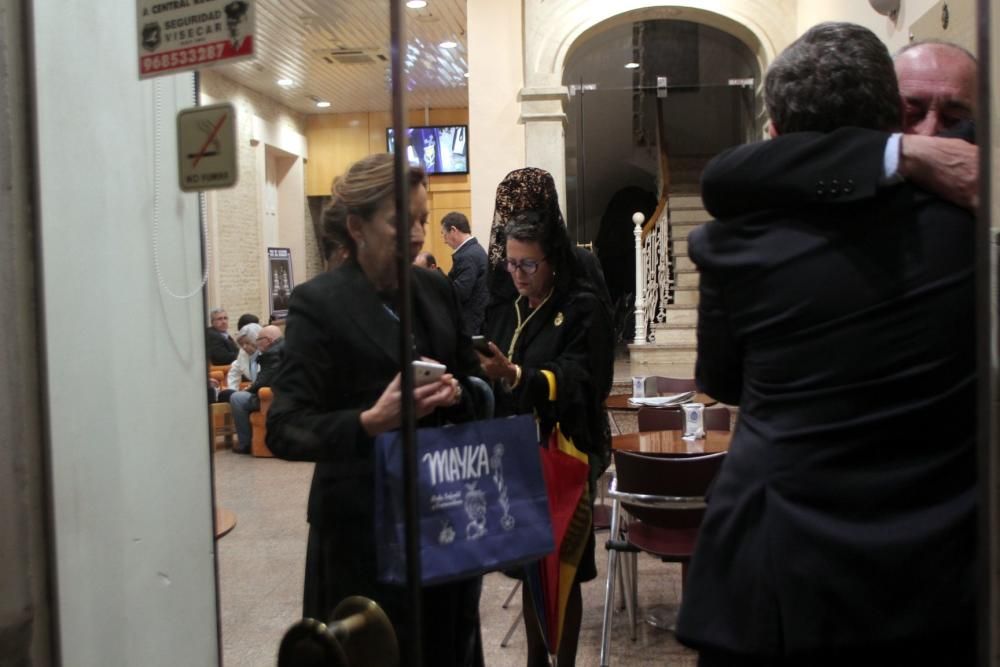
{"type": "Point", "coordinates": [482, 346]}
{"type": "Point", "coordinates": [425, 372]}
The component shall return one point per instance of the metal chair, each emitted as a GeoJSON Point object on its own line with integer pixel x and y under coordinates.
{"type": "Point", "coordinates": [665, 497]}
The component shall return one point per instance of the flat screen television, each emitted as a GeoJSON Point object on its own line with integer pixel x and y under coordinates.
{"type": "Point", "coordinates": [439, 149]}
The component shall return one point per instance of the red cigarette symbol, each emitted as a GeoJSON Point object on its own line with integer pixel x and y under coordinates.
{"type": "Point", "coordinates": [211, 135]}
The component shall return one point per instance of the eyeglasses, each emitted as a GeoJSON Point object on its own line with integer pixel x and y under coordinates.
{"type": "Point", "coordinates": [527, 266]}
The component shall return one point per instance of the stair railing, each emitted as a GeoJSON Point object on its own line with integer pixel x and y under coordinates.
{"type": "Point", "coordinates": [654, 253]}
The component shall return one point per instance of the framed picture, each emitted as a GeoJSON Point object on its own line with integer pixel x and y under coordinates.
{"type": "Point", "coordinates": [279, 264]}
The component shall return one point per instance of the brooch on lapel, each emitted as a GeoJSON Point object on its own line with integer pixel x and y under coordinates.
{"type": "Point", "coordinates": [559, 319]}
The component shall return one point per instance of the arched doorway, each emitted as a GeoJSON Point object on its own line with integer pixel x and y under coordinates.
{"type": "Point", "coordinates": [649, 103]}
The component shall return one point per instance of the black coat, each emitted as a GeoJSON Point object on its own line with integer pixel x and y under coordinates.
{"type": "Point", "coordinates": [270, 364]}
{"type": "Point", "coordinates": [468, 274]}
{"type": "Point", "coordinates": [799, 168]}
{"type": "Point", "coordinates": [843, 516]}
{"type": "Point", "coordinates": [341, 350]}
{"type": "Point", "coordinates": [571, 336]}
{"type": "Point", "coordinates": [220, 347]}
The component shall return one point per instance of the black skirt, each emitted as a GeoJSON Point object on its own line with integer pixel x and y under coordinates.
{"type": "Point", "coordinates": [339, 564]}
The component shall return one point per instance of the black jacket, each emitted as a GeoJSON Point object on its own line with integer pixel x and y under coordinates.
{"type": "Point", "coordinates": [220, 347]}
{"type": "Point", "coordinates": [468, 274]}
{"type": "Point", "coordinates": [843, 516]}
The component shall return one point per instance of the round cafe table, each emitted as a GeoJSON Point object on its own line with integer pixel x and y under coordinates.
{"type": "Point", "coordinates": [619, 403]}
{"type": "Point", "coordinates": [672, 442]}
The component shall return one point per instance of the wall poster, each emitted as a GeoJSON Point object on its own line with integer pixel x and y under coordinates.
{"type": "Point", "coordinates": [279, 264]}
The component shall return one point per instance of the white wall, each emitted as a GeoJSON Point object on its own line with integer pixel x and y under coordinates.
{"type": "Point", "coordinates": [894, 34]}
{"type": "Point", "coordinates": [124, 363]}
{"type": "Point", "coordinates": [496, 139]}
{"type": "Point", "coordinates": [239, 229]}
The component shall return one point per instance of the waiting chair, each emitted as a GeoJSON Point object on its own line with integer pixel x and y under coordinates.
{"type": "Point", "coordinates": [716, 418]}
{"type": "Point", "coordinates": [258, 422]}
{"type": "Point", "coordinates": [665, 498]}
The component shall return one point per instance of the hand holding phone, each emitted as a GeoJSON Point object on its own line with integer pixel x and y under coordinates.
{"type": "Point", "coordinates": [482, 346]}
{"type": "Point", "coordinates": [425, 372]}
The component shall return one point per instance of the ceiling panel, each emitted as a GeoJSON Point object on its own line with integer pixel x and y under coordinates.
{"type": "Point", "coordinates": [338, 51]}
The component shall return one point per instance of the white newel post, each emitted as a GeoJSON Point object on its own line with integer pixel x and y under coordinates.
{"type": "Point", "coordinates": [640, 282]}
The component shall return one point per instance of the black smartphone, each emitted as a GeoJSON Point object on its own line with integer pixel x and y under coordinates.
{"type": "Point", "coordinates": [482, 346]}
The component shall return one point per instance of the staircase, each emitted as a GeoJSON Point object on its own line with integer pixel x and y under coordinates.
{"type": "Point", "coordinates": [675, 347]}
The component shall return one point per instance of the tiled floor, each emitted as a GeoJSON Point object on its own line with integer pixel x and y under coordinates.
{"type": "Point", "coordinates": [261, 564]}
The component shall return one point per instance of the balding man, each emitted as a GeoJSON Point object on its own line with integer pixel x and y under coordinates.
{"type": "Point", "coordinates": [937, 82]}
{"type": "Point", "coordinates": [270, 348]}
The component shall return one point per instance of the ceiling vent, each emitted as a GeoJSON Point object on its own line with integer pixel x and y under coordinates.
{"type": "Point", "coordinates": [353, 56]}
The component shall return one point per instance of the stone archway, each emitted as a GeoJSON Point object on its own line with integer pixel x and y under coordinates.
{"type": "Point", "coordinates": [553, 28]}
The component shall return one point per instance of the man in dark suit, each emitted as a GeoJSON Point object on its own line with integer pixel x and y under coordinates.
{"type": "Point", "coordinates": [841, 528]}
{"type": "Point", "coordinates": [219, 345]}
{"type": "Point", "coordinates": [468, 270]}
{"type": "Point", "coordinates": [271, 346]}
{"type": "Point", "coordinates": [937, 81]}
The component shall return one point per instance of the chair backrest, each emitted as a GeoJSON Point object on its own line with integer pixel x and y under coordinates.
{"type": "Point", "coordinates": [667, 385]}
{"type": "Point", "coordinates": [664, 477]}
{"type": "Point", "coordinates": [717, 418]}
{"type": "Point", "coordinates": [660, 419]}
{"type": "Point", "coordinates": [224, 370]}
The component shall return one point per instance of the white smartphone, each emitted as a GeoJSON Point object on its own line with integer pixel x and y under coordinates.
{"type": "Point", "coordinates": [425, 372]}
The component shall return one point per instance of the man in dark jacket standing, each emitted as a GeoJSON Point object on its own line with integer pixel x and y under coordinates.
{"type": "Point", "coordinates": [468, 270]}
{"type": "Point", "coordinates": [841, 528]}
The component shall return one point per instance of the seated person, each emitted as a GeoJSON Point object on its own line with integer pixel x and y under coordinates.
{"type": "Point", "coordinates": [246, 364]}
{"type": "Point", "coordinates": [270, 347]}
{"type": "Point", "coordinates": [245, 319]}
{"type": "Point", "coordinates": [219, 345]}
{"type": "Point", "coordinates": [426, 260]}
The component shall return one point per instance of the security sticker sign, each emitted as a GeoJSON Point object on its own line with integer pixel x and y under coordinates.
{"type": "Point", "coordinates": [179, 35]}
{"type": "Point", "coordinates": [206, 141]}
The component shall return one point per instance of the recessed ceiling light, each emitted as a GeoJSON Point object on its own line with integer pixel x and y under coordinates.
{"type": "Point", "coordinates": [322, 105]}
{"type": "Point", "coordinates": [285, 83]}
{"type": "Point", "coordinates": [631, 65]}
{"type": "Point", "coordinates": [416, 4]}
{"type": "Point", "coordinates": [448, 45]}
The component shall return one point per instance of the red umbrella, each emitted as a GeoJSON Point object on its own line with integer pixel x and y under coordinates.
{"type": "Point", "coordinates": [549, 580]}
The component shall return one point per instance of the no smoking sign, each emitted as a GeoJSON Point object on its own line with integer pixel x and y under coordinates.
{"type": "Point", "coordinates": [206, 144]}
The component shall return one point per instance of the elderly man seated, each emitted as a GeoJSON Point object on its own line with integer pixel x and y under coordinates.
{"type": "Point", "coordinates": [270, 349]}
{"type": "Point", "coordinates": [244, 369]}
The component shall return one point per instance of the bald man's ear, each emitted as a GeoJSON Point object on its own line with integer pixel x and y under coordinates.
{"type": "Point", "coordinates": [772, 129]}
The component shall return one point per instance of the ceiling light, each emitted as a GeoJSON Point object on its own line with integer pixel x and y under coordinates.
{"type": "Point", "coordinates": [466, 75]}
{"type": "Point", "coordinates": [322, 104]}
{"type": "Point", "coordinates": [285, 83]}
{"type": "Point", "coordinates": [448, 45]}
{"type": "Point", "coordinates": [631, 65]}
{"type": "Point", "coordinates": [416, 4]}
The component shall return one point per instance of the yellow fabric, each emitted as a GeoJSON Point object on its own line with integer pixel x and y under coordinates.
{"type": "Point", "coordinates": [567, 447]}
{"type": "Point", "coordinates": [575, 541]}
{"type": "Point", "coordinates": [551, 377]}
